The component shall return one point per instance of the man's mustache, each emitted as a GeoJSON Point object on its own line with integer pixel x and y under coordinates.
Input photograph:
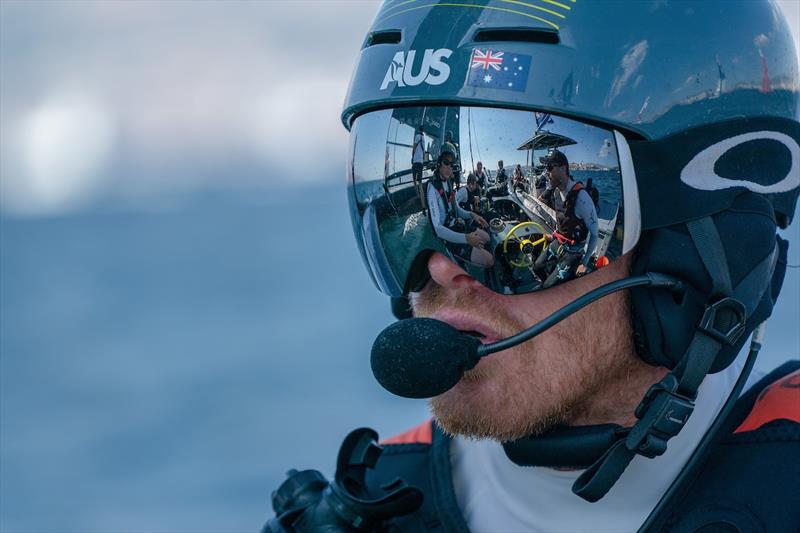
{"type": "Point", "coordinates": [434, 297]}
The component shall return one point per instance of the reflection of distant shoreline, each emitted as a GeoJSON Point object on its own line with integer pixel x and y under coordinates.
{"type": "Point", "coordinates": [591, 167]}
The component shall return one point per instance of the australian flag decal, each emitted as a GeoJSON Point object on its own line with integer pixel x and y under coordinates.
{"type": "Point", "coordinates": [498, 70]}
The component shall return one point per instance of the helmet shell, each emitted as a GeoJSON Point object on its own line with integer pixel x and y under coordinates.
{"type": "Point", "coordinates": [652, 68]}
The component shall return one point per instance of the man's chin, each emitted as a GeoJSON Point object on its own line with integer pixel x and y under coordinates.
{"type": "Point", "coordinates": [473, 409]}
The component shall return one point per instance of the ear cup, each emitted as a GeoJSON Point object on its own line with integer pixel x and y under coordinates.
{"type": "Point", "coordinates": [664, 324]}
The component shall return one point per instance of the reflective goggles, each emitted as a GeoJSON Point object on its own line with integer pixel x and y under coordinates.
{"type": "Point", "coordinates": [473, 183]}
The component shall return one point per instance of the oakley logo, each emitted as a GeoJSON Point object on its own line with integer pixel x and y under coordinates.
{"type": "Point", "coordinates": [699, 172]}
{"type": "Point", "coordinates": [433, 70]}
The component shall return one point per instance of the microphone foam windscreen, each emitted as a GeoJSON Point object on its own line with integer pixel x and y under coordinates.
{"type": "Point", "coordinates": [422, 357]}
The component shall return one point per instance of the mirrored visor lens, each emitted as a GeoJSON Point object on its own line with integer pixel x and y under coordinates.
{"type": "Point", "coordinates": [521, 200]}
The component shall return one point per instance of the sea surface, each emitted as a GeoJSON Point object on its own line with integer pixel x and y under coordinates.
{"type": "Point", "coordinates": [161, 370]}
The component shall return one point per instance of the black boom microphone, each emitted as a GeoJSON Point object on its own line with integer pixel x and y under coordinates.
{"type": "Point", "coordinates": [423, 357]}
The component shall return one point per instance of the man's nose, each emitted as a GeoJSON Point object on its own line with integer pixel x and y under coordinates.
{"type": "Point", "coordinates": [448, 274]}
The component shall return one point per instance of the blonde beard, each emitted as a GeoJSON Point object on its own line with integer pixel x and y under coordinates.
{"type": "Point", "coordinates": [571, 374]}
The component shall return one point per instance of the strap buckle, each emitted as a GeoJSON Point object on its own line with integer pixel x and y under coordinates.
{"type": "Point", "coordinates": [715, 325]}
{"type": "Point", "coordinates": [662, 414]}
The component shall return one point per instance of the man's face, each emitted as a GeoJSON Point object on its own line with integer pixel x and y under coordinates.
{"type": "Point", "coordinates": [479, 166]}
{"type": "Point", "coordinates": [558, 176]}
{"type": "Point", "coordinates": [472, 186]}
{"type": "Point", "coordinates": [499, 164]}
{"type": "Point", "coordinates": [446, 167]}
{"type": "Point", "coordinates": [548, 380]}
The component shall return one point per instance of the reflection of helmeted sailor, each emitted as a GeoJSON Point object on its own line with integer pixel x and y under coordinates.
{"type": "Point", "coordinates": [480, 174]}
{"type": "Point", "coordinates": [468, 197]}
{"type": "Point", "coordinates": [444, 212]}
{"type": "Point", "coordinates": [501, 182]}
{"type": "Point", "coordinates": [450, 144]}
{"type": "Point", "coordinates": [576, 220]}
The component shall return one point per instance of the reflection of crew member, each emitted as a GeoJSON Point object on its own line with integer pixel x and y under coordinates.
{"type": "Point", "coordinates": [480, 175]}
{"type": "Point", "coordinates": [450, 144]}
{"type": "Point", "coordinates": [501, 182]}
{"type": "Point", "coordinates": [501, 176]}
{"type": "Point", "coordinates": [417, 159]}
{"type": "Point", "coordinates": [594, 194]}
{"type": "Point", "coordinates": [467, 197]}
{"type": "Point", "coordinates": [576, 220]}
{"type": "Point", "coordinates": [518, 179]}
{"type": "Point", "coordinates": [445, 212]}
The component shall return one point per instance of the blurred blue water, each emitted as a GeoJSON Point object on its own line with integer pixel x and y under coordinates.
{"type": "Point", "coordinates": [161, 371]}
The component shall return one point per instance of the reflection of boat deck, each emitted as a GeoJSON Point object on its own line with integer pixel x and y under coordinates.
{"type": "Point", "coordinates": [518, 218]}
{"type": "Point", "coordinates": [607, 214]}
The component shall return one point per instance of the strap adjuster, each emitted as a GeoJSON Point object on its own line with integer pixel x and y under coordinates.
{"type": "Point", "coordinates": [713, 324]}
{"type": "Point", "coordinates": [662, 414]}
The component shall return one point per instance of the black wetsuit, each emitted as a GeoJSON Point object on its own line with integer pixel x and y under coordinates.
{"type": "Point", "coordinates": [747, 480]}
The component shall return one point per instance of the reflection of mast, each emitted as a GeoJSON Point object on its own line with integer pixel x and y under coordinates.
{"type": "Point", "coordinates": [386, 160]}
{"type": "Point", "coordinates": [469, 134]}
{"type": "Point", "coordinates": [477, 144]}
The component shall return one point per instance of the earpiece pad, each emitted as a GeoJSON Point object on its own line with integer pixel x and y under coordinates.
{"type": "Point", "coordinates": [664, 324]}
{"type": "Point", "coordinates": [401, 308]}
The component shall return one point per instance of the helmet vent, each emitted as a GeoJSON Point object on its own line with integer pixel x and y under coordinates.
{"type": "Point", "coordinates": [523, 35]}
{"type": "Point", "coordinates": [383, 37]}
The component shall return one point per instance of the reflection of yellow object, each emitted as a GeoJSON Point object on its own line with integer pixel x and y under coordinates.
{"type": "Point", "coordinates": [619, 233]}
{"type": "Point", "coordinates": [526, 259]}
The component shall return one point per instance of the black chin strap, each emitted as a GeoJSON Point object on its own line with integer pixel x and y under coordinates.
{"type": "Point", "coordinates": [576, 447]}
{"type": "Point", "coordinates": [666, 407]}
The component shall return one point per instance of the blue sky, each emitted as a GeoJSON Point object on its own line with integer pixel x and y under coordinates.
{"type": "Point", "coordinates": [140, 102]}
{"type": "Point", "coordinates": [496, 134]}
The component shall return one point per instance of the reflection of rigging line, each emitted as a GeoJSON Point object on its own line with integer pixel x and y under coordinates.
{"type": "Point", "coordinates": [478, 147]}
{"type": "Point", "coordinates": [386, 172]}
{"type": "Point", "coordinates": [532, 151]}
{"type": "Point", "coordinates": [469, 132]}
{"type": "Point", "coordinates": [389, 197]}
{"type": "Point", "coordinates": [424, 148]}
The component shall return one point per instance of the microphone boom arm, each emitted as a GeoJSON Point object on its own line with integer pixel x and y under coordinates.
{"type": "Point", "coordinates": [652, 279]}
